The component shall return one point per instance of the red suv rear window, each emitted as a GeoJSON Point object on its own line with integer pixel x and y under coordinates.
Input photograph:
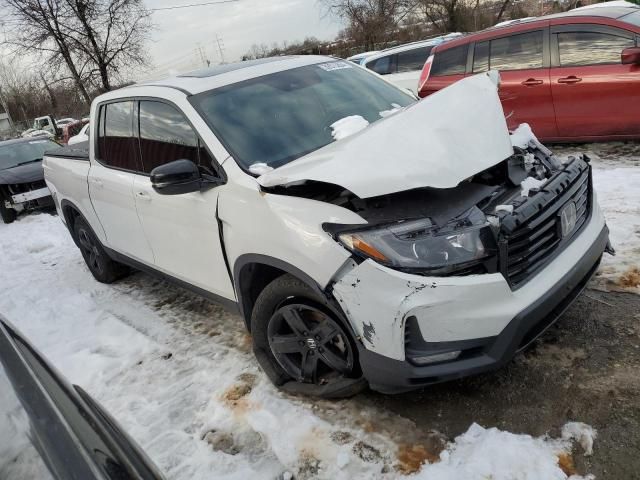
{"type": "Point", "coordinates": [452, 61]}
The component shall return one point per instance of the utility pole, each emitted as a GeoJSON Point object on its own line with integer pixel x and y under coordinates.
{"type": "Point", "coordinates": [220, 48]}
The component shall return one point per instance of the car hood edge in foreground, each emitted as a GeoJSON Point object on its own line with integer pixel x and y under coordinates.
{"type": "Point", "coordinates": [29, 172]}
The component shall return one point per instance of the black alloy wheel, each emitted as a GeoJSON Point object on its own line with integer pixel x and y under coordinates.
{"type": "Point", "coordinates": [101, 266]}
{"type": "Point", "coordinates": [308, 344]}
{"type": "Point", "coordinates": [90, 251]}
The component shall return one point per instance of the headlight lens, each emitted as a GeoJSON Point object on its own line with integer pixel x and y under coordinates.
{"type": "Point", "coordinates": [420, 245]}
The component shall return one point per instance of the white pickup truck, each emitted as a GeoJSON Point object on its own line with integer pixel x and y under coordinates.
{"type": "Point", "coordinates": [364, 237]}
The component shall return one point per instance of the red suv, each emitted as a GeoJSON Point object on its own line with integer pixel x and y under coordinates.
{"type": "Point", "coordinates": [573, 76]}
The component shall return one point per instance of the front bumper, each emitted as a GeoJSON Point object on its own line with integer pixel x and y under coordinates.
{"type": "Point", "coordinates": [479, 315]}
{"type": "Point", "coordinates": [31, 195]}
{"type": "Point", "coordinates": [30, 199]}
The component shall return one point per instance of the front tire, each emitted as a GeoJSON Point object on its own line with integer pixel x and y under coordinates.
{"type": "Point", "coordinates": [302, 344]}
{"type": "Point", "coordinates": [8, 214]}
{"type": "Point", "coordinates": [101, 266]}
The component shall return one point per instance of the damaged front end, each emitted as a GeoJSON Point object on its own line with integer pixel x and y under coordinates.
{"type": "Point", "coordinates": [511, 218]}
{"type": "Point", "coordinates": [26, 196]}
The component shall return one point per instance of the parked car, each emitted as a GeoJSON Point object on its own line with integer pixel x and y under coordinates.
{"type": "Point", "coordinates": [31, 133]}
{"type": "Point", "coordinates": [65, 121]}
{"type": "Point", "coordinates": [22, 185]}
{"type": "Point", "coordinates": [572, 76]}
{"type": "Point", "coordinates": [358, 246]}
{"type": "Point", "coordinates": [71, 130]}
{"type": "Point", "coordinates": [361, 57]}
{"type": "Point", "coordinates": [402, 65]}
{"type": "Point", "coordinates": [82, 136]}
{"type": "Point", "coordinates": [62, 431]}
{"type": "Point", "coordinates": [46, 123]}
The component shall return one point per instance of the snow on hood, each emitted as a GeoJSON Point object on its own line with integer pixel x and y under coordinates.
{"type": "Point", "coordinates": [437, 142]}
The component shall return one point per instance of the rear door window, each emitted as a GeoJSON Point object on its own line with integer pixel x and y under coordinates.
{"type": "Point", "coordinates": [481, 57]}
{"type": "Point", "coordinates": [116, 147]}
{"type": "Point", "coordinates": [165, 136]}
{"type": "Point", "coordinates": [450, 62]}
{"type": "Point", "coordinates": [517, 52]}
{"type": "Point", "coordinates": [591, 48]}
{"type": "Point", "coordinates": [413, 60]}
{"type": "Point", "coordinates": [383, 65]}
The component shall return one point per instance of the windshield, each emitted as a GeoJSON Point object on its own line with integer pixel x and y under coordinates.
{"type": "Point", "coordinates": [16, 154]}
{"type": "Point", "coordinates": [274, 119]}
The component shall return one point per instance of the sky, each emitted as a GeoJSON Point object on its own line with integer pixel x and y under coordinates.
{"type": "Point", "coordinates": [180, 33]}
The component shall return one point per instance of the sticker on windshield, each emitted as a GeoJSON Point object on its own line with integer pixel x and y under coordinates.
{"type": "Point", "coordinates": [37, 141]}
{"type": "Point", "coordinates": [330, 67]}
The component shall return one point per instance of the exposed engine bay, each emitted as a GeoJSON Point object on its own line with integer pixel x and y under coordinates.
{"type": "Point", "coordinates": [506, 218]}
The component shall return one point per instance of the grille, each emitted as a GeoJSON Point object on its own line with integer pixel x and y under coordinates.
{"type": "Point", "coordinates": [529, 246]}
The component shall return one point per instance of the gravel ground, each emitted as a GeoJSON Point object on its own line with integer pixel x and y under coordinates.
{"type": "Point", "coordinates": [586, 367]}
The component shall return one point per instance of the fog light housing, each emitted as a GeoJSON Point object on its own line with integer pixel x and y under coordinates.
{"type": "Point", "coordinates": [436, 358]}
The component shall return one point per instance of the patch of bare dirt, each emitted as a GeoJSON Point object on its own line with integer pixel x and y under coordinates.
{"type": "Point", "coordinates": [412, 457]}
{"type": "Point", "coordinates": [566, 464]}
{"type": "Point", "coordinates": [630, 278]}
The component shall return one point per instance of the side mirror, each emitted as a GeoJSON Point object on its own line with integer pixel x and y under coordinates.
{"type": "Point", "coordinates": [178, 177]}
{"type": "Point", "coordinates": [631, 56]}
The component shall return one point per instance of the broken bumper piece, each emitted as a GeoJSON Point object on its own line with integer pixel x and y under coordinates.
{"type": "Point", "coordinates": [452, 327]}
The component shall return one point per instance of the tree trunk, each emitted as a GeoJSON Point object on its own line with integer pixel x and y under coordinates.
{"type": "Point", "coordinates": [52, 98]}
{"type": "Point", "coordinates": [505, 3]}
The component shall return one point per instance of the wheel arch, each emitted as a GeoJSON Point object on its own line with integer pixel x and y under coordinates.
{"type": "Point", "coordinates": [70, 213]}
{"type": "Point", "coordinates": [253, 272]}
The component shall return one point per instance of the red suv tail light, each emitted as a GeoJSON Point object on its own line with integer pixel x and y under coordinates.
{"type": "Point", "coordinates": [424, 75]}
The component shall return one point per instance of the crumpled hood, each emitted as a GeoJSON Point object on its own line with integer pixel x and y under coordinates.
{"type": "Point", "coordinates": [437, 142]}
{"type": "Point", "coordinates": [31, 172]}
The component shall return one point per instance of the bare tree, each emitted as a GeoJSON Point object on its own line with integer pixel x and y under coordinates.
{"type": "Point", "coordinates": [38, 27]}
{"type": "Point", "coordinates": [98, 41]}
{"type": "Point", "coordinates": [110, 35]}
{"type": "Point", "coordinates": [370, 21]}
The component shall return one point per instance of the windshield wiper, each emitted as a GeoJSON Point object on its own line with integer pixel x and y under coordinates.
{"type": "Point", "coordinates": [29, 161]}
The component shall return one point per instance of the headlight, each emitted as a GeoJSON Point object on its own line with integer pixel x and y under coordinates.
{"type": "Point", "coordinates": [421, 245]}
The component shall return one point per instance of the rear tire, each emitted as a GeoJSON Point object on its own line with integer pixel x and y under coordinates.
{"type": "Point", "coordinates": [101, 266]}
{"type": "Point", "coordinates": [302, 344]}
{"type": "Point", "coordinates": [8, 214]}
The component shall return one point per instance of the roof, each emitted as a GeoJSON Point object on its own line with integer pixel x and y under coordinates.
{"type": "Point", "coordinates": [410, 46]}
{"type": "Point", "coordinates": [613, 10]}
{"type": "Point", "coordinates": [218, 76]}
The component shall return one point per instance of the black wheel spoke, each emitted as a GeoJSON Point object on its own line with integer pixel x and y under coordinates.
{"type": "Point", "coordinates": [334, 361]}
{"type": "Point", "coordinates": [309, 344]}
{"type": "Point", "coordinates": [326, 331]}
{"type": "Point", "coordinates": [294, 320]}
{"type": "Point", "coordinates": [286, 344]}
{"type": "Point", "coordinates": [308, 366]}
{"type": "Point", "coordinates": [84, 241]}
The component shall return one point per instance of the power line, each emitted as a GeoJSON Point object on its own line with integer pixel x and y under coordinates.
{"type": "Point", "coordinates": [174, 7]}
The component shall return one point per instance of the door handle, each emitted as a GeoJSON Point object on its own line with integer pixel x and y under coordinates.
{"type": "Point", "coordinates": [530, 82]}
{"type": "Point", "coordinates": [144, 196]}
{"type": "Point", "coordinates": [570, 79]}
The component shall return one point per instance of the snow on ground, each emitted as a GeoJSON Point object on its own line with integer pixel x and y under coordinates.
{"type": "Point", "coordinates": [178, 373]}
{"type": "Point", "coordinates": [616, 178]}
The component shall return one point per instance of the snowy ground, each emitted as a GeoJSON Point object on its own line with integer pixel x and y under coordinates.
{"type": "Point", "coordinates": [616, 179]}
{"type": "Point", "coordinates": [178, 374]}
